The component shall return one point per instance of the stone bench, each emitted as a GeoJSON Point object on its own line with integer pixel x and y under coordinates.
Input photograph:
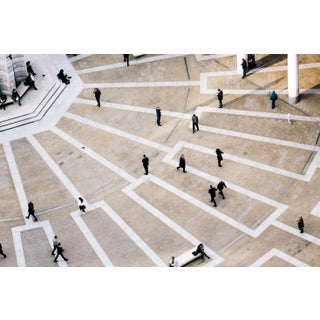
{"type": "Point", "coordinates": [21, 89]}
{"type": "Point", "coordinates": [187, 258]}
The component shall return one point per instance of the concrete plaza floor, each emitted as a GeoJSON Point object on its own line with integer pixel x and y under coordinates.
{"type": "Point", "coordinates": [271, 168]}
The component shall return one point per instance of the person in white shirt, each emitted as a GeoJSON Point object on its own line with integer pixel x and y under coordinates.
{"type": "Point", "coordinates": [173, 263]}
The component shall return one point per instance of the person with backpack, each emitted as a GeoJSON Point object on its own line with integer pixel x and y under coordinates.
{"type": "Point", "coordinates": [273, 98]}
{"type": "Point", "coordinates": [60, 253]}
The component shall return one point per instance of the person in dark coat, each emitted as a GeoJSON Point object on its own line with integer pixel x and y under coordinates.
{"type": "Point", "coordinates": [195, 123]}
{"type": "Point", "coordinates": [30, 69]}
{"type": "Point", "coordinates": [300, 224]}
{"type": "Point", "coordinates": [212, 191]}
{"type": "Point", "coordinates": [200, 250]}
{"type": "Point", "coordinates": [126, 59]}
{"type": "Point", "coordinates": [219, 156]}
{"type": "Point", "coordinates": [16, 96]}
{"type": "Point", "coordinates": [31, 212]}
{"type": "Point", "coordinates": [220, 97]}
{"type": "Point", "coordinates": [97, 94]}
{"type": "Point", "coordinates": [273, 98]}
{"type": "Point", "coordinates": [220, 187]}
{"type": "Point", "coordinates": [1, 252]}
{"type": "Point", "coordinates": [244, 68]}
{"type": "Point", "coordinates": [158, 113]}
{"type": "Point", "coordinates": [60, 253]}
{"type": "Point", "coordinates": [182, 163]}
{"type": "Point", "coordinates": [63, 76]}
{"type": "Point", "coordinates": [145, 162]}
{"type": "Point", "coordinates": [82, 206]}
{"type": "Point", "coordinates": [30, 82]}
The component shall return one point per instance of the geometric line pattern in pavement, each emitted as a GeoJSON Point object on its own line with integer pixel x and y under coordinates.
{"type": "Point", "coordinates": [76, 215]}
{"type": "Point", "coordinates": [278, 253]}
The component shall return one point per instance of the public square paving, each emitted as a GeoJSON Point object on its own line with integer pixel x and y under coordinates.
{"type": "Point", "coordinates": [270, 167]}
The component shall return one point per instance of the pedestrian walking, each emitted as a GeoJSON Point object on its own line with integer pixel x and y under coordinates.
{"type": "Point", "coordinates": [145, 162]}
{"type": "Point", "coordinates": [54, 244]}
{"type": "Point", "coordinates": [30, 69]}
{"type": "Point", "coordinates": [200, 250]}
{"type": "Point", "coordinates": [212, 191]}
{"type": "Point", "coordinates": [244, 68]}
{"type": "Point", "coordinates": [158, 113]}
{"type": "Point", "coordinates": [60, 253]}
{"type": "Point", "coordinates": [219, 156]}
{"type": "Point", "coordinates": [173, 262]}
{"type": "Point", "coordinates": [273, 98]}
{"type": "Point", "coordinates": [300, 224]}
{"type": "Point", "coordinates": [31, 211]}
{"type": "Point", "coordinates": [82, 206]}
{"type": "Point", "coordinates": [182, 163]}
{"type": "Point", "coordinates": [15, 96]}
{"type": "Point", "coordinates": [220, 186]}
{"type": "Point", "coordinates": [220, 97]}
{"type": "Point", "coordinates": [1, 252]}
{"type": "Point", "coordinates": [126, 59]}
{"type": "Point", "coordinates": [195, 123]}
{"type": "Point", "coordinates": [289, 118]}
{"type": "Point", "coordinates": [97, 94]}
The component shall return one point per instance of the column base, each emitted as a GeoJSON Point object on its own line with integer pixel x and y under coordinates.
{"type": "Point", "coordinates": [294, 100]}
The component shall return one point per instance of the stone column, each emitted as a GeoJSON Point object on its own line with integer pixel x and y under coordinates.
{"type": "Point", "coordinates": [12, 71]}
{"type": "Point", "coordinates": [19, 68]}
{"type": "Point", "coordinates": [239, 60]}
{"type": "Point", "coordinates": [7, 81]}
{"type": "Point", "coordinates": [293, 78]}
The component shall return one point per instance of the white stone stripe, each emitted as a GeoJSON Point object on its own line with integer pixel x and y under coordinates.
{"type": "Point", "coordinates": [316, 210]}
{"type": "Point", "coordinates": [54, 167]}
{"type": "Point", "coordinates": [17, 181]}
{"type": "Point", "coordinates": [254, 233]}
{"type": "Point", "coordinates": [204, 90]}
{"type": "Point", "coordinates": [249, 136]}
{"type": "Point", "coordinates": [246, 162]}
{"type": "Point", "coordinates": [201, 57]}
{"type": "Point", "coordinates": [117, 132]}
{"type": "Point", "coordinates": [168, 159]}
{"type": "Point", "coordinates": [9, 219]}
{"type": "Point", "coordinates": [16, 234]}
{"type": "Point", "coordinates": [132, 235]}
{"type": "Point", "coordinates": [141, 84]}
{"type": "Point", "coordinates": [79, 57]}
{"type": "Point", "coordinates": [197, 203]}
{"type": "Point", "coordinates": [170, 223]}
{"type": "Point", "coordinates": [91, 239]}
{"type": "Point", "coordinates": [257, 114]}
{"type": "Point", "coordinates": [275, 252]}
{"type": "Point", "coordinates": [296, 232]}
{"type": "Point", "coordinates": [93, 154]}
{"type": "Point", "coordinates": [17, 242]}
{"type": "Point", "coordinates": [134, 108]}
{"type": "Point", "coordinates": [132, 63]}
{"type": "Point", "coordinates": [260, 70]}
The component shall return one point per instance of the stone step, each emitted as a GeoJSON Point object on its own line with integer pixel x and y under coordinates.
{"type": "Point", "coordinates": [39, 111]}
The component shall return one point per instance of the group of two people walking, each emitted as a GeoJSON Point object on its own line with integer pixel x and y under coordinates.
{"type": "Point", "coordinates": [212, 191]}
